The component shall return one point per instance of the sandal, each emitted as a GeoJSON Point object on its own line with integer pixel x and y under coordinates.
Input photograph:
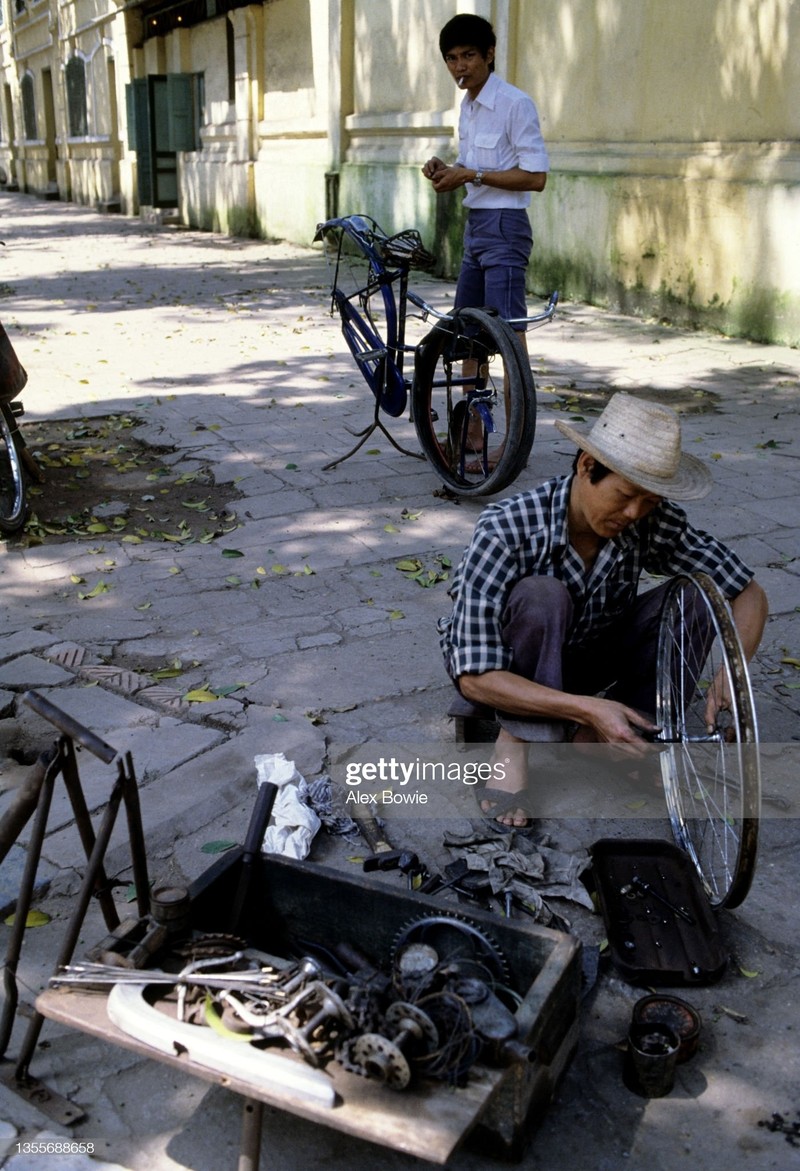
{"type": "Point", "coordinates": [504, 802]}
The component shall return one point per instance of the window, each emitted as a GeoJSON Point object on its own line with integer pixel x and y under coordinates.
{"type": "Point", "coordinates": [231, 53]}
{"type": "Point", "coordinates": [28, 108]}
{"type": "Point", "coordinates": [76, 97]}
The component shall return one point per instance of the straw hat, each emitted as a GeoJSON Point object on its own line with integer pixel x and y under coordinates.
{"type": "Point", "coordinates": [641, 441]}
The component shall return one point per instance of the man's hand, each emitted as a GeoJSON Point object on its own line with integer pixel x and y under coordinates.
{"type": "Point", "coordinates": [718, 699]}
{"type": "Point", "coordinates": [614, 723]}
{"type": "Point", "coordinates": [433, 166]}
{"type": "Point", "coordinates": [451, 178]}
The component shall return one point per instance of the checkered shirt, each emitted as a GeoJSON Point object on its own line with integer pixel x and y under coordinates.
{"type": "Point", "coordinates": [526, 535]}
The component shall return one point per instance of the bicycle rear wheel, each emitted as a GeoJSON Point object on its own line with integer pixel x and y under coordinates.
{"type": "Point", "coordinates": [13, 506]}
{"type": "Point", "coordinates": [711, 775]}
{"type": "Point", "coordinates": [365, 299]}
{"type": "Point", "coordinates": [473, 402]}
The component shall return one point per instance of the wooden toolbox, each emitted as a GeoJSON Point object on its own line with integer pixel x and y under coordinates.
{"type": "Point", "coordinates": [291, 902]}
{"type": "Point", "coordinates": [295, 901]}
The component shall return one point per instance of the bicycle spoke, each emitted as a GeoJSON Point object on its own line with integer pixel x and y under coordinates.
{"type": "Point", "coordinates": [474, 403]}
{"type": "Point", "coordinates": [710, 778]}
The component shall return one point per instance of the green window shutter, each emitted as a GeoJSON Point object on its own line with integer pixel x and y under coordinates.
{"type": "Point", "coordinates": [75, 76]}
{"type": "Point", "coordinates": [138, 109]}
{"type": "Point", "coordinates": [182, 116]}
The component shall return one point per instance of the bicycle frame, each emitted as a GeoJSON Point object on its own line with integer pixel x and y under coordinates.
{"type": "Point", "coordinates": [373, 242]}
{"type": "Point", "coordinates": [374, 302]}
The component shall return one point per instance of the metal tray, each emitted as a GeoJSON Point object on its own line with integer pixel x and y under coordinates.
{"type": "Point", "coordinates": [661, 928]}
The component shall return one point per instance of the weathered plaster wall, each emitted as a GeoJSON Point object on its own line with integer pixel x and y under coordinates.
{"type": "Point", "coordinates": [673, 128]}
{"type": "Point", "coordinates": [673, 133]}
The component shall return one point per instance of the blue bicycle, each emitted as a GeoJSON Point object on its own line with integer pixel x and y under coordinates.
{"type": "Point", "coordinates": [472, 396]}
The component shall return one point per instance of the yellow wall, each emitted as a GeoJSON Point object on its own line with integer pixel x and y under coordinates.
{"type": "Point", "coordinates": [673, 132]}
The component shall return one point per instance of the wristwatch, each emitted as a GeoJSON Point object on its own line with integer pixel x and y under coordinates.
{"type": "Point", "coordinates": [478, 180]}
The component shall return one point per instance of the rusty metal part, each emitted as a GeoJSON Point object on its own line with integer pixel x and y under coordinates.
{"type": "Point", "coordinates": [462, 946]}
{"type": "Point", "coordinates": [211, 944]}
{"type": "Point", "coordinates": [311, 1022]}
{"type": "Point", "coordinates": [416, 962]}
{"type": "Point", "coordinates": [408, 1033]}
{"type": "Point", "coordinates": [152, 943]}
{"type": "Point", "coordinates": [374, 1056]}
{"type": "Point", "coordinates": [637, 886]}
{"type": "Point", "coordinates": [372, 833]}
{"type": "Point", "coordinates": [492, 1021]}
{"type": "Point", "coordinates": [170, 906]}
{"type": "Point", "coordinates": [410, 1028]}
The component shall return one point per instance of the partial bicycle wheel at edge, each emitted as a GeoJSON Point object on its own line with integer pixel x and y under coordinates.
{"type": "Point", "coordinates": [13, 511]}
{"type": "Point", "coordinates": [710, 768]}
{"type": "Point", "coordinates": [473, 402]}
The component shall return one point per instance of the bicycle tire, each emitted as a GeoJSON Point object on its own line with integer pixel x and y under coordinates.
{"type": "Point", "coordinates": [712, 780]}
{"type": "Point", "coordinates": [13, 503]}
{"type": "Point", "coordinates": [364, 297]}
{"type": "Point", "coordinates": [439, 404]}
{"type": "Point", "coordinates": [372, 358]}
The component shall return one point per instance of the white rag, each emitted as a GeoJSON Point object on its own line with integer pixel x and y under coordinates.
{"type": "Point", "coordinates": [293, 824]}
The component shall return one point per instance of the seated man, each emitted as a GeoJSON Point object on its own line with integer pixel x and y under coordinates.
{"type": "Point", "coordinates": [546, 612]}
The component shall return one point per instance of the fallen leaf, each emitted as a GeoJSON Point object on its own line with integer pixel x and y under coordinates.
{"type": "Point", "coordinates": [217, 847]}
{"type": "Point", "coordinates": [739, 1017]}
{"type": "Point", "coordinates": [232, 553]}
{"type": "Point", "coordinates": [32, 919]}
{"type": "Point", "coordinates": [101, 588]}
{"type": "Point", "coordinates": [200, 695]}
{"type": "Point", "coordinates": [167, 673]}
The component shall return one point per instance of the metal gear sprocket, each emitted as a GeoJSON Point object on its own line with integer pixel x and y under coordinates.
{"type": "Point", "coordinates": [456, 939]}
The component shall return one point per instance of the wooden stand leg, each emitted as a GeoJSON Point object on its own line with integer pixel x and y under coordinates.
{"type": "Point", "coordinates": [250, 1151]}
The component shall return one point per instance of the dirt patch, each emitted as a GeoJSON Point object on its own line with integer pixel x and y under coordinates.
{"type": "Point", "coordinates": [577, 401]}
{"type": "Point", "coordinates": [100, 480]}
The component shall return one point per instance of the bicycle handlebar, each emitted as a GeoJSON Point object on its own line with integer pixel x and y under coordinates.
{"type": "Point", "coordinates": [529, 322]}
{"type": "Point", "coordinates": [373, 240]}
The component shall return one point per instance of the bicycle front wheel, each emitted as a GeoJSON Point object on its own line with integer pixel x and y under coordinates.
{"type": "Point", "coordinates": [13, 508]}
{"type": "Point", "coordinates": [710, 767]}
{"type": "Point", "coordinates": [473, 402]}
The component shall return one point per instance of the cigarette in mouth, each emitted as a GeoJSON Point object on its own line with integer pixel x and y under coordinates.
{"type": "Point", "coordinates": [461, 82]}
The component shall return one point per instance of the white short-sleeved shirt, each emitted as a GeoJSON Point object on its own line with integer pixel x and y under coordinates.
{"type": "Point", "coordinates": [497, 131]}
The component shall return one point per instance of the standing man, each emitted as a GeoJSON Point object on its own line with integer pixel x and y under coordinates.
{"type": "Point", "coordinates": [501, 159]}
